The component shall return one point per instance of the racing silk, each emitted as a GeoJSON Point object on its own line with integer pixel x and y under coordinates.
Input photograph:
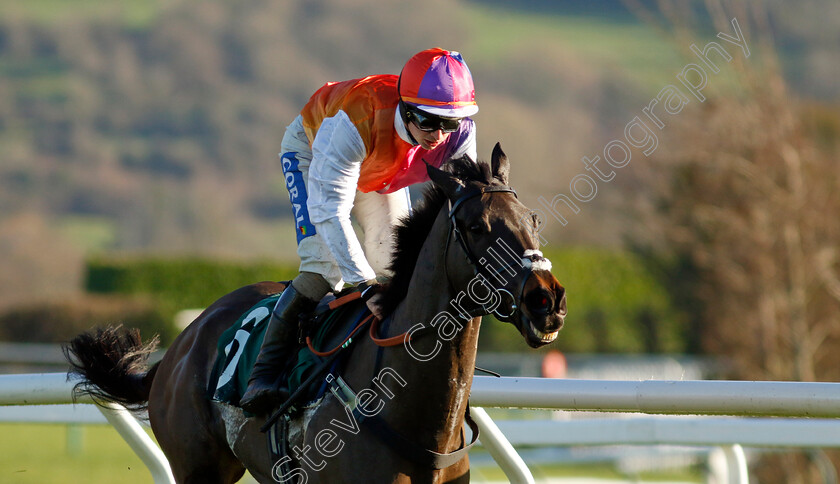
{"type": "Point", "coordinates": [359, 142]}
{"type": "Point", "coordinates": [390, 161]}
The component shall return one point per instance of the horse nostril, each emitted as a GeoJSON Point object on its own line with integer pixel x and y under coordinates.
{"type": "Point", "coordinates": [561, 305]}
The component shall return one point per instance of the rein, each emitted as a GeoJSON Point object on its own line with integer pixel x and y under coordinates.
{"type": "Point", "coordinates": [374, 329]}
{"type": "Point", "coordinates": [387, 342]}
{"type": "Point", "coordinates": [343, 343]}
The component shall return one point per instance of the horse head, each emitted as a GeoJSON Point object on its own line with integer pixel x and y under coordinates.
{"type": "Point", "coordinates": [493, 242]}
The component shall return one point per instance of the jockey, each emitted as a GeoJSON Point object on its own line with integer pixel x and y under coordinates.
{"type": "Point", "coordinates": [353, 150]}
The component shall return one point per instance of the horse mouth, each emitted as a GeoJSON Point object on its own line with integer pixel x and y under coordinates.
{"type": "Point", "coordinates": [536, 338]}
{"type": "Point", "coordinates": [544, 337]}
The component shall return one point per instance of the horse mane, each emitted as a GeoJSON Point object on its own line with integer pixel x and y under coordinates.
{"type": "Point", "coordinates": [411, 231]}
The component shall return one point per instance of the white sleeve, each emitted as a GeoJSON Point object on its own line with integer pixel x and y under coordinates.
{"type": "Point", "coordinates": [468, 146]}
{"type": "Point", "coordinates": [337, 154]}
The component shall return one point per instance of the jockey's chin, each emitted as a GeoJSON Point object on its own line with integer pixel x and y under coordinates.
{"type": "Point", "coordinates": [430, 142]}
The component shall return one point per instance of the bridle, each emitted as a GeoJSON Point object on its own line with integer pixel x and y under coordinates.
{"type": "Point", "coordinates": [476, 263]}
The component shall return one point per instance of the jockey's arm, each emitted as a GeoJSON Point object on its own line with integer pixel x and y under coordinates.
{"type": "Point", "coordinates": [337, 154]}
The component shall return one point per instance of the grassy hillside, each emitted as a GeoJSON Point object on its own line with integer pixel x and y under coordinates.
{"type": "Point", "coordinates": [151, 126]}
{"type": "Point", "coordinates": [620, 44]}
{"type": "Point", "coordinates": [136, 13]}
{"type": "Point", "coordinates": [122, 124]}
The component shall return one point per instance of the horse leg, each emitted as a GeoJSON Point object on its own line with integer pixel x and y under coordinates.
{"type": "Point", "coordinates": [194, 454]}
{"type": "Point", "coordinates": [188, 428]}
{"type": "Point", "coordinates": [184, 425]}
{"type": "Point", "coordinates": [195, 460]}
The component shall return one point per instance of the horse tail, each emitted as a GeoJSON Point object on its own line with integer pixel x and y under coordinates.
{"type": "Point", "coordinates": [113, 366]}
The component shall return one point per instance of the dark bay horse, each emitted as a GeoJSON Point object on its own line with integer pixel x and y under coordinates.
{"type": "Point", "coordinates": [468, 250]}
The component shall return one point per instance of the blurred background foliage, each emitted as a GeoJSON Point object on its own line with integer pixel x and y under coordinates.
{"type": "Point", "coordinates": [138, 145]}
{"type": "Point", "coordinates": [178, 283]}
{"type": "Point", "coordinates": [620, 304]}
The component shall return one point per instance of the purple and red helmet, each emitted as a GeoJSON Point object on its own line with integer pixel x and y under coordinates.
{"type": "Point", "coordinates": [438, 82]}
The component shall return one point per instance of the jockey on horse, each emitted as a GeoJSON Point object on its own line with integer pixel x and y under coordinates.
{"type": "Point", "coordinates": [354, 149]}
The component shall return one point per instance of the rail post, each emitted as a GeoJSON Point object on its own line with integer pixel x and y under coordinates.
{"type": "Point", "coordinates": [500, 448]}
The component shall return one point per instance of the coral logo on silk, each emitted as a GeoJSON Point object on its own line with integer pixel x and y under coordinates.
{"type": "Point", "coordinates": [297, 195]}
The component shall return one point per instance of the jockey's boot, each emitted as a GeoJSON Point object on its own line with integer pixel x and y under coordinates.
{"type": "Point", "coordinates": [264, 391]}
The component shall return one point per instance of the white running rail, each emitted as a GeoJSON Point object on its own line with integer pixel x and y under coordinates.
{"type": "Point", "coordinates": [54, 388]}
{"type": "Point", "coordinates": [706, 397]}
{"type": "Point", "coordinates": [701, 397]}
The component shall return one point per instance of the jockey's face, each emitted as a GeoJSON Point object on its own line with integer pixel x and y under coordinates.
{"type": "Point", "coordinates": [427, 139]}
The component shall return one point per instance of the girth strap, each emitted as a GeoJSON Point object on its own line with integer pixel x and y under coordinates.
{"type": "Point", "coordinates": [414, 452]}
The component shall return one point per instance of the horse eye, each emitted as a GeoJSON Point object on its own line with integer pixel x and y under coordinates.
{"type": "Point", "coordinates": [476, 228]}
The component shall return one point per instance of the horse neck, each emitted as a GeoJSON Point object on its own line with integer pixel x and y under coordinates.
{"type": "Point", "coordinates": [433, 403]}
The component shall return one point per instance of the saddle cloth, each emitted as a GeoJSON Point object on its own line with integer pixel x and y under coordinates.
{"type": "Point", "coordinates": [239, 346]}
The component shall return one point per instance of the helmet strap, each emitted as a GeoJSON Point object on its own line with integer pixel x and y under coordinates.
{"type": "Point", "coordinates": [404, 116]}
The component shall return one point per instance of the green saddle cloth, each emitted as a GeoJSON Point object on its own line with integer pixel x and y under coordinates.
{"type": "Point", "coordinates": [239, 346]}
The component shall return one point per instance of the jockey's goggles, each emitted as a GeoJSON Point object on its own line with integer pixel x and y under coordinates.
{"type": "Point", "coordinates": [428, 123]}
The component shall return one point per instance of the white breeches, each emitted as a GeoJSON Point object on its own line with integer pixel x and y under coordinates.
{"type": "Point", "coordinates": [375, 214]}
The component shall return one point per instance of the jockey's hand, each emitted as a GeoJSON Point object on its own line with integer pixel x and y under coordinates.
{"type": "Point", "coordinates": [373, 297]}
{"type": "Point", "coordinates": [375, 305]}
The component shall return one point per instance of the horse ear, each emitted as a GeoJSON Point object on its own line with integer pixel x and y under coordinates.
{"type": "Point", "coordinates": [499, 163]}
{"type": "Point", "coordinates": [448, 182]}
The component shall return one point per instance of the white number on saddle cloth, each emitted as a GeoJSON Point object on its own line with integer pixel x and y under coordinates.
{"type": "Point", "coordinates": [241, 336]}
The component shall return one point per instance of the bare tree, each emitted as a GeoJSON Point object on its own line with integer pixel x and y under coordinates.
{"type": "Point", "coordinates": [746, 190]}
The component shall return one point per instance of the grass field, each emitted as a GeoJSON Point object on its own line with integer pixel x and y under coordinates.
{"type": "Point", "coordinates": [57, 453]}
{"type": "Point", "coordinates": [96, 454]}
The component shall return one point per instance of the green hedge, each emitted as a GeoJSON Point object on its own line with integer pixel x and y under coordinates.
{"type": "Point", "coordinates": [60, 321]}
{"type": "Point", "coordinates": [135, 291]}
{"type": "Point", "coordinates": [615, 304]}
{"type": "Point", "coordinates": [179, 283]}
